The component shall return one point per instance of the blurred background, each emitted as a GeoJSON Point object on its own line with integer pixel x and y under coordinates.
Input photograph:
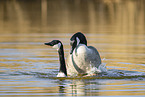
{"type": "Point", "coordinates": [69, 16]}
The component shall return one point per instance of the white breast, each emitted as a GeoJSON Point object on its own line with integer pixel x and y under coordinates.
{"type": "Point", "coordinates": [76, 63]}
{"type": "Point", "coordinates": [81, 49]}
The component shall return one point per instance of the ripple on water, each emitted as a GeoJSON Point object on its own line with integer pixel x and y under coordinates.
{"type": "Point", "coordinates": [30, 68]}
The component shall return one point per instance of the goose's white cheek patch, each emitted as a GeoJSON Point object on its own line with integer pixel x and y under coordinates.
{"type": "Point", "coordinates": [78, 41]}
{"type": "Point", "coordinates": [57, 46]}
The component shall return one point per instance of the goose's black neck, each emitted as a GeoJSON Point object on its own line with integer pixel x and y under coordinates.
{"type": "Point", "coordinates": [62, 60]}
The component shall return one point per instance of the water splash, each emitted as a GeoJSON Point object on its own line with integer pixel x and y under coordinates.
{"type": "Point", "coordinates": [94, 70]}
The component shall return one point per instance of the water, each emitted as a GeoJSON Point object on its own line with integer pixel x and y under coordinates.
{"type": "Point", "coordinates": [29, 68]}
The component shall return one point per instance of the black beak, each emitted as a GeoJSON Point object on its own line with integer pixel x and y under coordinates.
{"type": "Point", "coordinates": [72, 43]}
{"type": "Point", "coordinates": [49, 44]}
{"type": "Point", "coordinates": [72, 49]}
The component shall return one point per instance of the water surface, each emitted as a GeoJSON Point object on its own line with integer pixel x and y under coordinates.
{"type": "Point", "coordinates": [28, 67]}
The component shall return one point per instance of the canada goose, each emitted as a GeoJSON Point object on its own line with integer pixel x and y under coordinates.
{"type": "Point", "coordinates": [59, 46]}
{"type": "Point", "coordinates": [83, 59]}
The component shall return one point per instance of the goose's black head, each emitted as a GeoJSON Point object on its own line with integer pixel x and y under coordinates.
{"type": "Point", "coordinates": [55, 44]}
{"type": "Point", "coordinates": [76, 39]}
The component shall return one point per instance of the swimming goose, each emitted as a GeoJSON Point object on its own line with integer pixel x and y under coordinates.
{"type": "Point", "coordinates": [59, 46]}
{"type": "Point", "coordinates": [83, 59]}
